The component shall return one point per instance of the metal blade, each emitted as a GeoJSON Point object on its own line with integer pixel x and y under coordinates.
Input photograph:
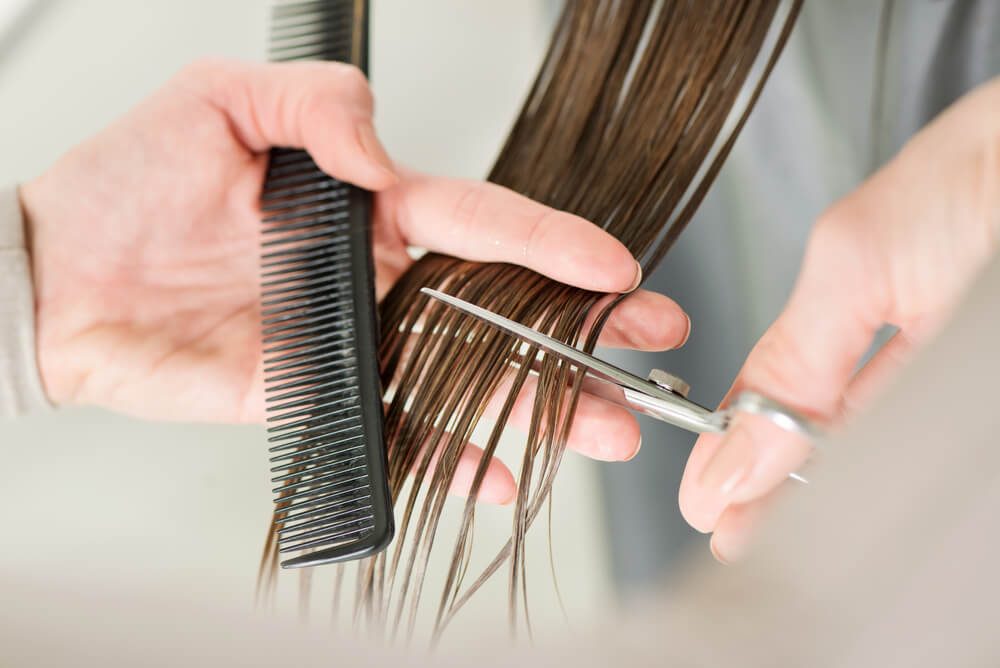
{"type": "Point", "coordinates": [598, 367]}
{"type": "Point", "coordinates": [639, 394]}
{"type": "Point", "coordinates": [626, 388]}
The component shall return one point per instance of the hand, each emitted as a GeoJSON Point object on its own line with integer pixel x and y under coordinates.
{"type": "Point", "coordinates": [145, 244]}
{"type": "Point", "coordinates": [900, 250]}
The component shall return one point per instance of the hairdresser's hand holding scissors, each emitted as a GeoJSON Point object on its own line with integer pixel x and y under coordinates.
{"type": "Point", "coordinates": [900, 249]}
{"type": "Point", "coordinates": [145, 245]}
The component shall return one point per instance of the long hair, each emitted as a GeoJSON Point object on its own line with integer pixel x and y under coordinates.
{"type": "Point", "coordinates": [633, 111]}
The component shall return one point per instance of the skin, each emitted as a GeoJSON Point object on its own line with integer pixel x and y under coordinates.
{"type": "Point", "coordinates": [145, 245]}
{"type": "Point", "coordinates": [900, 249]}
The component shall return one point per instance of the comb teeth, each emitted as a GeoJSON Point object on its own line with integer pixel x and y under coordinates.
{"type": "Point", "coordinates": [324, 403]}
{"type": "Point", "coordinates": [320, 30]}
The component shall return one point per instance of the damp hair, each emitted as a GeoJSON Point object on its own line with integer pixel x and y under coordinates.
{"type": "Point", "coordinates": [632, 113]}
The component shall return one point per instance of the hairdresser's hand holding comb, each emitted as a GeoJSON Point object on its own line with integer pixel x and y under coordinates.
{"type": "Point", "coordinates": [145, 247]}
{"type": "Point", "coordinates": [900, 249]}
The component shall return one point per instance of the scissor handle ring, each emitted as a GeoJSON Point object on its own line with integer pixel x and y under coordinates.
{"type": "Point", "coordinates": [779, 414]}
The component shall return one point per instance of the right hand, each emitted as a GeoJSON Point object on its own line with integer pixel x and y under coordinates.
{"type": "Point", "coordinates": [900, 249]}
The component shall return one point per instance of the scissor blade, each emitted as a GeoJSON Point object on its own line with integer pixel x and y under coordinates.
{"type": "Point", "coordinates": [596, 366]}
{"type": "Point", "coordinates": [629, 390]}
{"type": "Point", "coordinates": [636, 393]}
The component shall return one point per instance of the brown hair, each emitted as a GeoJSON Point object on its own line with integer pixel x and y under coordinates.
{"type": "Point", "coordinates": [628, 122]}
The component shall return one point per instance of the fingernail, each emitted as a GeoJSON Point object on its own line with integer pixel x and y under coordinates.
{"type": "Point", "coordinates": [638, 277]}
{"type": "Point", "coordinates": [638, 446]}
{"type": "Point", "coordinates": [715, 553]}
{"type": "Point", "coordinates": [374, 149]}
{"type": "Point", "coordinates": [687, 334]}
{"type": "Point", "coordinates": [731, 464]}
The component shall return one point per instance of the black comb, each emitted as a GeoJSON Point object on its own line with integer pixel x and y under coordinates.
{"type": "Point", "coordinates": [324, 399]}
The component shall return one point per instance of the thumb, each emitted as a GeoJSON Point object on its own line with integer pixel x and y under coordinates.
{"type": "Point", "coordinates": [323, 107]}
{"type": "Point", "coordinates": [898, 249]}
{"type": "Point", "coordinates": [805, 360]}
{"type": "Point", "coordinates": [808, 356]}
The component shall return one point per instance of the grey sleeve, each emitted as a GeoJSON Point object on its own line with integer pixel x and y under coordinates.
{"type": "Point", "coordinates": [20, 384]}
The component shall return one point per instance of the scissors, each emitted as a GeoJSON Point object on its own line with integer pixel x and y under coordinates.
{"type": "Point", "coordinates": [662, 395]}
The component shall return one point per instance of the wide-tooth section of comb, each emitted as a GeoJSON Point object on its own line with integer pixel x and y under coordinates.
{"type": "Point", "coordinates": [324, 400]}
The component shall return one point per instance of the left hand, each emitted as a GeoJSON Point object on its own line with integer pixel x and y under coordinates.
{"type": "Point", "coordinates": [145, 246]}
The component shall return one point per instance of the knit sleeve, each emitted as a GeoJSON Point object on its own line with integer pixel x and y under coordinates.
{"type": "Point", "coordinates": [20, 384]}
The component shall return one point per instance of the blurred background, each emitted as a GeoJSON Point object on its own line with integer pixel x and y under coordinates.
{"type": "Point", "coordinates": [184, 508]}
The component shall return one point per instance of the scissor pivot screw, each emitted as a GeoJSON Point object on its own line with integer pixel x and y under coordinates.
{"type": "Point", "coordinates": [669, 381]}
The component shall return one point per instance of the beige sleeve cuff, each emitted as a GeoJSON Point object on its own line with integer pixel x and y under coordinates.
{"type": "Point", "coordinates": [20, 384]}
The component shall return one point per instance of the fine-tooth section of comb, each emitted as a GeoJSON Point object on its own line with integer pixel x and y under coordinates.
{"type": "Point", "coordinates": [324, 399]}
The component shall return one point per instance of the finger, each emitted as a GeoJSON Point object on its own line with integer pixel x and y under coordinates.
{"type": "Point", "coordinates": [645, 320]}
{"type": "Point", "coordinates": [873, 376]}
{"type": "Point", "coordinates": [498, 486]}
{"type": "Point", "coordinates": [323, 107]}
{"type": "Point", "coordinates": [734, 531]}
{"type": "Point", "coordinates": [601, 430]}
{"type": "Point", "coordinates": [753, 458]}
{"type": "Point", "coordinates": [488, 223]}
{"type": "Point", "coordinates": [805, 360]}
{"type": "Point", "coordinates": [604, 431]}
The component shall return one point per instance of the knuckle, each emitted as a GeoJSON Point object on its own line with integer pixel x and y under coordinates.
{"type": "Point", "coordinates": [842, 252]}
{"type": "Point", "coordinates": [783, 367]}
{"type": "Point", "coordinates": [343, 90]}
{"type": "Point", "coordinates": [310, 108]}
{"type": "Point", "coordinates": [538, 225]}
{"type": "Point", "coordinates": [354, 83]}
{"type": "Point", "coordinates": [212, 78]}
{"type": "Point", "coordinates": [832, 232]}
{"type": "Point", "coordinates": [202, 68]}
{"type": "Point", "coordinates": [776, 361]}
{"type": "Point", "coordinates": [468, 207]}
{"type": "Point", "coordinates": [849, 253]}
